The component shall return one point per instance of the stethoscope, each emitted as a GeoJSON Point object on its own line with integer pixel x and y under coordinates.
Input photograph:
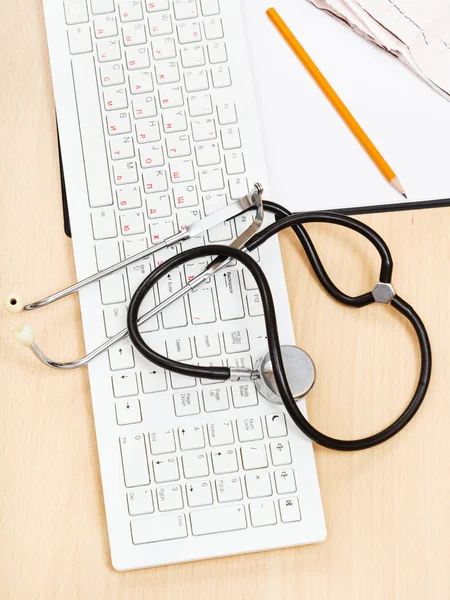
{"type": "Point", "coordinates": [285, 374]}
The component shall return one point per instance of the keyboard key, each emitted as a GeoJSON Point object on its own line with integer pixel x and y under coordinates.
{"type": "Point", "coordinates": [128, 411]}
{"type": "Point", "coordinates": [231, 138]}
{"type": "Point", "coordinates": [136, 275]}
{"type": "Point", "coordinates": [211, 363]}
{"type": "Point", "coordinates": [107, 253]}
{"type": "Point", "coordinates": [173, 316]}
{"type": "Point", "coordinates": [217, 53]}
{"type": "Point", "coordinates": [220, 433]}
{"type": "Point", "coordinates": [132, 222]}
{"type": "Point", "coordinates": [141, 82]}
{"type": "Point", "coordinates": [180, 382]}
{"type": "Point", "coordinates": [201, 303]}
{"type": "Point", "coordinates": [126, 172]}
{"type": "Point", "coordinates": [121, 356]}
{"type": "Point", "coordinates": [105, 26]}
{"type": "Point", "coordinates": [191, 437]}
{"type": "Point", "coordinates": [162, 442]}
{"type": "Point", "coordinates": [207, 154]}
{"type": "Point", "coordinates": [157, 5]}
{"type": "Point", "coordinates": [111, 74]}
{"type": "Point", "coordinates": [276, 425]}
{"type": "Point", "coordinates": [146, 133]}
{"type": "Point", "coordinates": [249, 281]}
{"type": "Point", "coordinates": [174, 121]}
{"type": "Point", "coordinates": [254, 456]}
{"type": "Point", "coordinates": [244, 394]}
{"type": "Point", "coordinates": [177, 146]}
{"type": "Point", "coordinates": [76, 12]}
{"type": "Point", "coordinates": [285, 481]}
{"type": "Point", "coordinates": [134, 460]}
{"type": "Point", "coordinates": [213, 28]}
{"type": "Point", "coordinates": [104, 224]}
{"type": "Point", "coordinates": [158, 206]}
{"type": "Point", "coordinates": [115, 98]}
{"type": "Point", "coordinates": [185, 9]}
{"type": "Point", "coordinates": [133, 34]}
{"type": "Point", "coordinates": [226, 113]}
{"type": "Point", "coordinates": [224, 461]}
{"type": "Point", "coordinates": [115, 318]}
{"type": "Point", "coordinates": [218, 520]}
{"type": "Point", "coordinates": [289, 510]}
{"type": "Point", "coordinates": [199, 493]}
{"type": "Point", "coordinates": [207, 344]}
{"type": "Point", "coordinates": [203, 129]}
{"type": "Point", "coordinates": [169, 498]}
{"type": "Point", "coordinates": [220, 76]}
{"type": "Point", "coordinates": [130, 11]}
{"type": "Point", "coordinates": [262, 513]}
{"type": "Point", "coordinates": [238, 186]}
{"type": "Point", "coordinates": [164, 48]}
{"type": "Point", "coordinates": [236, 340]}
{"type": "Point", "coordinates": [112, 289]}
{"type": "Point", "coordinates": [140, 502]}
{"type": "Point", "coordinates": [159, 231]}
{"type": "Point", "coordinates": [189, 32]}
{"type": "Point", "coordinates": [258, 484]}
{"type": "Point", "coordinates": [121, 147]}
{"type": "Point", "coordinates": [249, 429]}
{"type": "Point", "coordinates": [234, 162]}
{"type": "Point", "coordinates": [243, 361]}
{"type": "Point", "coordinates": [220, 233]}
{"type": "Point", "coordinates": [134, 245]}
{"type": "Point", "coordinates": [166, 469]}
{"type": "Point", "coordinates": [79, 39]}
{"type": "Point", "coordinates": [228, 489]}
{"type": "Point", "coordinates": [99, 7]}
{"type": "Point", "coordinates": [200, 105]}
{"type": "Point", "coordinates": [211, 179]}
{"type": "Point", "coordinates": [254, 304]}
{"type": "Point", "coordinates": [124, 385]}
{"type": "Point", "coordinates": [192, 56]}
{"type": "Point", "coordinates": [229, 295]}
{"type": "Point", "coordinates": [159, 24]}
{"type": "Point", "coordinates": [108, 50]}
{"type": "Point", "coordinates": [196, 81]}
{"type": "Point", "coordinates": [281, 453]}
{"type": "Point", "coordinates": [158, 529]}
{"type": "Point", "coordinates": [137, 58]}
{"type": "Point", "coordinates": [186, 403]}
{"type": "Point", "coordinates": [144, 107]}
{"type": "Point", "coordinates": [179, 349]}
{"type": "Point", "coordinates": [181, 170]}
{"type": "Point", "coordinates": [170, 97]}
{"type": "Point", "coordinates": [151, 156]}
{"type": "Point", "coordinates": [118, 123]}
{"type": "Point", "coordinates": [153, 380]}
{"type": "Point", "coordinates": [195, 464]}
{"type": "Point", "coordinates": [214, 202]}
{"type": "Point", "coordinates": [155, 180]}
{"type": "Point", "coordinates": [215, 399]}
{"type": "Point", "coordinates": [129, 197]}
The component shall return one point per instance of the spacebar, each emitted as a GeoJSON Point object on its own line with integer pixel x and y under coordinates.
{"type": "Point", "coordinates": [218, 520]}
{"type": "Point", "coordinates": [91, 131]}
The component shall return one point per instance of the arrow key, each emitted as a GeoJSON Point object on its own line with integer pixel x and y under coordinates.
{"type": "Point", "coordinates": [128, 411]}
{"type": "Point", "coordinates": [121, 357]}
{"type": "Point", "coordinates": [191, 437]}
{"type": "Point", "coordinates": [199, 493]}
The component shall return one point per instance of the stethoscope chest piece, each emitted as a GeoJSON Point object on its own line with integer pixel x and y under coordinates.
{"type": "Point", "coordinates": [300, 372]}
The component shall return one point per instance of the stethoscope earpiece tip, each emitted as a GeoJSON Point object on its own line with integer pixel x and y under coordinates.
{"type": "Point", "coordinates": [24, 335]}
{"type": "Point", "coordinates": [13, 303]}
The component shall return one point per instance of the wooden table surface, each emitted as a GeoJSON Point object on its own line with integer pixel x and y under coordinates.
{"type": "Point", "coordinates": [387, 509]}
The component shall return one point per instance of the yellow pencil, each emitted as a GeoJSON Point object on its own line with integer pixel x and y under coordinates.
{"type": "Point", "coordinates": [329, 92]}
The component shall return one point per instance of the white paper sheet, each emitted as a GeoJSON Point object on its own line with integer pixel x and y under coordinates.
{"type": "Point", "coordinates": [314, 161]}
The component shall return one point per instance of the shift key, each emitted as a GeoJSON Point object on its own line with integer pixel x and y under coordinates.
{"type": "Point", "coordinates": [229, 295]}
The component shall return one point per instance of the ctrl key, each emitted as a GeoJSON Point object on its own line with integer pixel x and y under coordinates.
{"type": "Point", "coordinates": [158, 529]}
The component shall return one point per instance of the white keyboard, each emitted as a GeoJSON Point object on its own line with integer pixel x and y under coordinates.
{"type": "Point", "coordinates": [158, 128]}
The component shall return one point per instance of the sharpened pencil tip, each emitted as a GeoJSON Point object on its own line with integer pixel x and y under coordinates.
{"type": "Point", "coordinates": [405, 195]}
{"type": "Point", "coordinates": [397, 186]}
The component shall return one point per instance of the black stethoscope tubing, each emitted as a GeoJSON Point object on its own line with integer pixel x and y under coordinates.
{"type": "Point", "coordinates": [284, 220]}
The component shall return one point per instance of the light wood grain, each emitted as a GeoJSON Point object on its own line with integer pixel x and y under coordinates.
{"type": "Point", "coordinates": [387, 509]}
